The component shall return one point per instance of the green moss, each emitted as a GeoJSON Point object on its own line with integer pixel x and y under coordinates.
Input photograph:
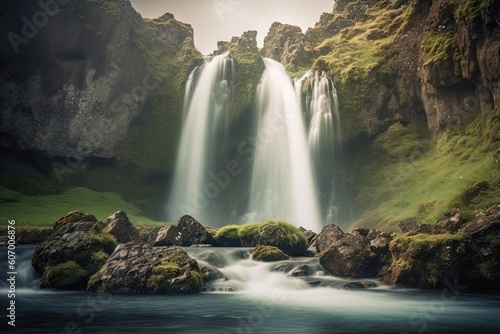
{"type": "Point", "coordinates": [440, 45]}
{"type": "Point", "coordinates": [68, 275]}
{"type": "Point", "coordinates": [97, 260]}
{"type": "Point", "coordinates": [160, 279]}
{"type": "Point", "coordinates": [249, 234]}
{"type": "Point", "coordinates": [404, 173]}
{"type": "Point", "coordinates": [404, 243]}
{"type": "Point", "coordinates": [268, 254]}
{"type": "Point", "coordinates": [227, 236]}
{"type": "Point", "coordinates": [44, 210]}
{"type": "Point", "coordinates": [468, 10]}
{"type": "Point", "coordinates": [195, 280]}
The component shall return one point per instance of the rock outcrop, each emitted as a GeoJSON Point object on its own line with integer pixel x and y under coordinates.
{"type": "Point", "coordinates": [141, 268]}
{"type": "Point", "coordinates": [78, 246]}
{"type": "Point", "coordinates": [73, 83]}
{"type": "Point", "coordinates": [120, 227]}
{"type": "Point", "coordinates": [186, 232]}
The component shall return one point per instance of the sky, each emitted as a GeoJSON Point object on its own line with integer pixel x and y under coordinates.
{"type": "Point", "coordinates": [219, 20]}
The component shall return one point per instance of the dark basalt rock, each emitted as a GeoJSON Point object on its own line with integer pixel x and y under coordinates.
{"type": "Point", "coordinates": [119, 226]}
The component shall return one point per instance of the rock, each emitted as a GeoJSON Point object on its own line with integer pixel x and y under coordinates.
{"type": "Point", "coordinates": [268, 254]}
{"type": "Point", "coordinates": [227, 236]}
{"type": "Point", "coordinates": [311, 251]}
{"type": "Point", "coordinates": [329, 235]}
{"type": "Point", "coordinates": [148, 234]}
{"type": "Point", "coordinates": [484, 224]}
{"type": "Point", "coordinates": [452, 224]}
{"type": "Point", "coordinates": [350, 256]}
{"type": "Point", "coordinates": [363, 231]}
{"type": "Point", "coordinates": [310, 235]}
{"type": "Point", "coordinates": [76, 237]}
{"type": "Point", "coordinates": [213, 258]}
{"type": "Point", "coordinates": [192, 232]}
{"type": "Point", "coordinates": [248, 42]}
{"type": "Point", "coordinates": [424, 261]}
{"type": "Point", "coordinates": [201, 246]}
{"type": "Point", "coordinates": [168, 236]}
{"type": "Point", "coordinates": [141, 268]}
{"type": "Point", "coordinates": [282, 268]}
{"type": "Point", "coordinates": [32, 236]}
{"type": "Point", "coordinates": [413, 227]}
{"type": "Point", "coordinates": [119, 226]}
{"type": "Point", "coordinates": [290, 240]}
{"type": "Point", "coordinates": [374, 233]}
{"type": "Point", "coordinates": [210, 274]}
{"type": "Point", "coordinates": [67, 276]}
{"type": "Point", "coordinates": [300, 271]}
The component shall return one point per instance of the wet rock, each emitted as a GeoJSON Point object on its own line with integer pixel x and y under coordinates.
{"type": "Point", "coordinates": [168, 236]}
{"type": "Point", "coordinates": [268, 254]}
{"type": "Point", "coordinates": [193, 232]}
{"type": "Point", "coordinates": [311, 251]}
{"type": "Point", "coordinates": [213, 258]}
{"type": "Point", "coordinates": [141, 268]}
{"type": "Point", "coordinates": [76, 237]}
{"type": "Point", "coordinates": [210, 274]}
{"type": "Point", "coordinates": [290, 240]}
{"type": "Point", "coordinates": [300, 271]}
{"type": "Point", "coordinates": [350, 256]}
{"type": "Point", "coordinates": [119, 226]}
{"type": "Point", "coordinates": [282, 268]}
{"type": "Point", "coordinates": [310, 235]}
{"type": "Point", "coordinates": [328, 236]}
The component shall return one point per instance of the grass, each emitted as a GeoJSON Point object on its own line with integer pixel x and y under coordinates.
{"type": "Point", "coordinates": [468, 10]}
{"type": "Point", "coordinates": [404, 173]}
{"type": "Point", "coordinates": [45, 210]}
{"type": "Point", "coordinates": [362, 47]}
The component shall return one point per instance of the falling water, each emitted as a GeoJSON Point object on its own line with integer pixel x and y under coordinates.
{"type": "Point", "coordinates": [203, 139]}
{"type": "Point", "coordinates": [282, 185]}
{"type": "Point", "coordinates": [324, 127]}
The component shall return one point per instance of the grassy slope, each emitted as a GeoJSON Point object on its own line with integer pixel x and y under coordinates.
{"type": "Point", "coordinates": [404, 173]}
{"type": "Point", "coordinates": [44, 210]}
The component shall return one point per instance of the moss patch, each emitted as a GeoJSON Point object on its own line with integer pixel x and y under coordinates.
{"type": "Point", "coordinates": [268, 254]}
{"type": "Point", "coordinates": [160, 280]}
{"type": "Point", "coordinates": [68, 275]}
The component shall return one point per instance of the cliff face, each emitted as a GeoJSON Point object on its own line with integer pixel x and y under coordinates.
{"type": "Point", "coordinates": [401, 60]}
{"type": "Point", "coordinates": [75, 76]}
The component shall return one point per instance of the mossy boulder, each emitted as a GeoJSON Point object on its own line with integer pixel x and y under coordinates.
{"type": "Point", "coordinates": [425, 261]}
{"type": "Point", "coordinates": [227, 236]}
{"type": "Point", "coordinates": [76, 237]}
{"type": "Point", "coordinates": [186, 232]}
{"type": "Point", "coordinates": [268, 254]}
{"type": "Point", "coordinates": [68, 275]}
{"type": "Point", "coordinates": [120, 227]}
{"type": "Point", "coordinates": [290, 239]}
{"type": "Point", "coordinates": [141, 268]}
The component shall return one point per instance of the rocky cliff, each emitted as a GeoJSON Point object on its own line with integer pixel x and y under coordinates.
{"type": "Point", "coordinates": [80, 78]}
{"type": "Point", "coordinates": [401, 60]}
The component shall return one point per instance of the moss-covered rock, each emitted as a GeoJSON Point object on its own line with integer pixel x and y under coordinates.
{"type": "Point", "coordinates": [141, 268]}
{"type": "Point", "coordinates": [76, 237]}
{"type": "Point", "coordinates": [268, 254]}
{"type": "Point", "coordinates": [67, 275]}
{"type": "Point", "coordinates": [227, 236]}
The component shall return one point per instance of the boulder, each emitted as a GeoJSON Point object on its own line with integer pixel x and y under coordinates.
{"type": "Point", "coordinates": [76, 237]}
{"type": "Point", "coordinates": [148, 234]}
{"type": "Point", "coordinates": [193, 232]}
{"type": "Point", "coordinates": [227, 236]}
{"type": "Point", "coordinates": [350, 256]}
{"type": "Point", "coordinates": [65, 276]}
{"type": "Point", "coordinates": [268, 254]}
{"type": "Point", "coordinates": [287, 238]}
{"type": "Point", "coordinates": [310, 235]}
{"type": "Point", "coordinates": [168, 236]}
{"type": "Point", "coordinates": [210, 274]}
{"type": "Point", "coordinates": [300, 271]}
{"type": "Point", "coordinates": [119, 226]}
{"type": "Point", "coordinates": [363, 231]}
{"type": "Point", "coordinates": [214, 258]}
{"type": "Point", "coordinates": [329, 235]}
{"type": "Point", "coordinates": [141, 268]}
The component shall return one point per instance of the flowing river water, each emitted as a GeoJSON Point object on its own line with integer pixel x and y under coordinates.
{"type": "Point", "coordinates": [252, 299]}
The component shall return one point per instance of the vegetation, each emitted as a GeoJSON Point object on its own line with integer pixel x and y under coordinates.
{"type": "Point", "coordinates": [268, 254]}
{"type": "Point", "coordinates": [44, 210]}
{"type": "Point", "coordinates": [468, 10]}
{"type": "Point", "coordinates": [68, 275]}
{"type": "Point", "coordinates": [159, 281]}
{"type": "Point", "coordinates": [404, 173]}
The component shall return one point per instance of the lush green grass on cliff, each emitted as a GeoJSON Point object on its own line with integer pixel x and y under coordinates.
{"type": "Point", "coordinates": [404, 173]}
{"type": "Point", "coordinates": [44, 210]}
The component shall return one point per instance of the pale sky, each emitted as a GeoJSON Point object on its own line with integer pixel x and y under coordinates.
{"type": "Point", "coordinates": [219, 20]}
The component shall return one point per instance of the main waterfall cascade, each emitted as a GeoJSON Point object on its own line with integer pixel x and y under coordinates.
{"type": "Point", "coordinates": [203, 137]}
{"type": "Point", "coordinates": [282, 181]}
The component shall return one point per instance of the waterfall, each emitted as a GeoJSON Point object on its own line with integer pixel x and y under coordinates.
{"type": "Point", "coordinates": [324, 127]}
{"type": "Point", "coordinates": [203, 139]}
{"type": "Point", "coordinates": [282, 185]}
